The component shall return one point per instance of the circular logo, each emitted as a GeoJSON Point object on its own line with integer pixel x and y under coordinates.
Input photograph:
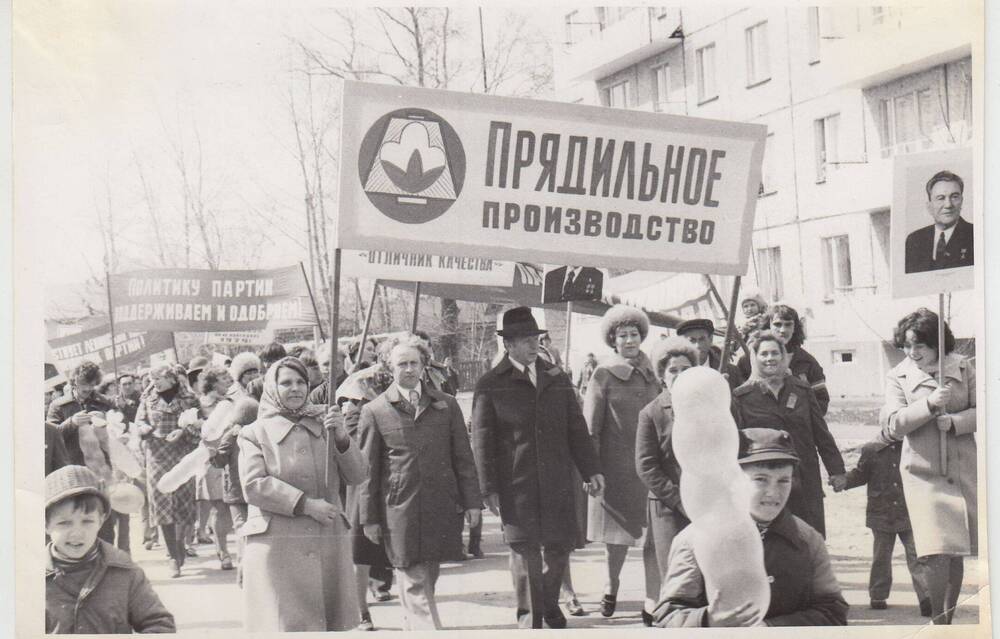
{"type": "Point", "coordinates": [412, 165]}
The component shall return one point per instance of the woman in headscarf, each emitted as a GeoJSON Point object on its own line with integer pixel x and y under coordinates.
{"type": "Point", "coordinates": [165, 443]}
{"type": "Point", "coordinates": [297, 573]}
{"type": "Point", "coordinates": [774, 399]}
{"type": "Point", "coordinates": [656, 464]}
{"type": "Point", "coordinates": [941, 499]}
{"type": "Point", "coordinates": [621, 386]}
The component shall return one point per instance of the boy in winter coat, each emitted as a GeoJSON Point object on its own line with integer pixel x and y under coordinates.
{"type": "Point", "coordinates": [804, 590]}
{"type": "Point", "coordinates": [887, 518]}
{"type": "Point", "coordinates": [91, 587]}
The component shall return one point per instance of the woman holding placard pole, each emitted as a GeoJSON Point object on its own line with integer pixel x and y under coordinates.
{"type": "Point", "coordinates": [937, 424]}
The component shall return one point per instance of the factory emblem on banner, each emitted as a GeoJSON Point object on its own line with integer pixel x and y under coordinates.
{"type": "Point", "coordinates": [412, 165]}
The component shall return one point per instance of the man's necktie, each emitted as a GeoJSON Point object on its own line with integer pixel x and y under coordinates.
{"type": "Point", "coordinates": [939, 250]}
{"type": "Point", "coordinates": [568, 286]}
{"type": "Point", "coordinates": [530, 369]}
{"type": "Point", "coordinates": [414, 399]}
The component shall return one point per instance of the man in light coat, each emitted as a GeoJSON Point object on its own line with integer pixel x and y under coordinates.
{"type": "Point", "coordinates": [422, 480]}
{"type": "Point", "coordinates": [527, 430]}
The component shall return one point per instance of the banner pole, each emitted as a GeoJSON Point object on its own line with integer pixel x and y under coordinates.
{"type": "Point", "coordinates": [331, 388]}
{"type": "Point", "coordinates": [173, 345]}
{"type": "Point", "coordinates": [569, 326]}
{"type": "Point", "coordinates": [368, 323]}
{"type": "Point", "coordinates": [111, 320]}
{"type": "Point", "coordinates": [942, 436]}
{"type": "Point", "coordinates": [416, 307]}
{"type": "Point", "coordinates": [319, 324]}
{"type": "Point", "coordinates": [725, 310]}
{"type": "Point", "coordinates": [730, 317]}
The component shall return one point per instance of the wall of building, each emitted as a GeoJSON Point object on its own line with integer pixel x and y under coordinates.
{"type": "Point", "coordinates": [821, 62]}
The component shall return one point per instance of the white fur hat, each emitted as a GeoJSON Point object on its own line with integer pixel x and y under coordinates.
{"type": "Point", "coordinates": [620, 314]}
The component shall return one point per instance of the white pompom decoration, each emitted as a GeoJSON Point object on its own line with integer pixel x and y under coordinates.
{"type": "Point", "coordinates": [190, 466]}
{"type": "Point", "coordinates": [716, 493]}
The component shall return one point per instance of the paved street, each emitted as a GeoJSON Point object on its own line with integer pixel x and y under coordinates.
{"type": "Point", "coordinates": [478, 593]}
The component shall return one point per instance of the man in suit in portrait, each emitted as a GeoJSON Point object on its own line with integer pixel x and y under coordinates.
{"type": "Point", "coordinates": [948, 242]}
{"type": "Point", "coordinates": [573, 283]}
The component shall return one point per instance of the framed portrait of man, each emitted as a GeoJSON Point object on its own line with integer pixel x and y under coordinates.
{"type": "Point", "coordinates": [932, 230]}
{"type": "Point", "coordinates": [572, 284]}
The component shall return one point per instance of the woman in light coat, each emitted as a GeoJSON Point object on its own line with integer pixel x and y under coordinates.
{"type": "Point", "coordinates": [656, 463]}
{"type": "Point", "coordinates": [918, 409]}
{"type": "Point", "coordinates": [622, 385]}
{"type": "Point", "coordinates": [297, 573]}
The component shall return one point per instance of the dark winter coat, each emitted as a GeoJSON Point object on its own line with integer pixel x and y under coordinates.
{"type": "Point", "coordinates": [805, 367]}
{"type": "Point", "coordinates": [525, 440]}
{"type": "Point", "coordinates": [804, 590]}
{"type": "Point", "coordinates": [116, 598]}
{"type": "Point", "coordinates": [55, 449]}
{"type": "Point", "coordinates": [655, 461]}
{"type": "Point", "coordinates": [797, 411]}
{"type": "Point", "coordinates": [422, 477]}
{"type": "Point", "coordinates": [878, 467]}
{"type": "Point", "coordinates": [227, 456]}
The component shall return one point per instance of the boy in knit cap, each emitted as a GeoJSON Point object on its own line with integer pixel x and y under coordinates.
{"type": "Point", "coordinates": [91, 587]}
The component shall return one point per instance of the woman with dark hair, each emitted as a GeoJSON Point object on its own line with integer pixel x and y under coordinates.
{"type": "Point", "coordinates": [657, 466]}
{"type": "Point", "coordinates": [784, 322]}
{"type": "Point", "coordinates": [622, 385]}
{"type": "Point", "coordinates": [772, 398]}
{"type": "Point", "coordinates": [214, 382]}
{"type": "Point", "coordinates": [297, 573]}
{"type": "Point", "coordinates": [941, 498]}
{"type": "Point", "coordinates": [165, 443]}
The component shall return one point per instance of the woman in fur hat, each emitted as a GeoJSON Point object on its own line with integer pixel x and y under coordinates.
{"type": "Point", "coordinates": [621, 386]}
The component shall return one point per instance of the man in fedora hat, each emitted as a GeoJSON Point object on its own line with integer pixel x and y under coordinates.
{"type": "Point", "coordinates": [527, 430]}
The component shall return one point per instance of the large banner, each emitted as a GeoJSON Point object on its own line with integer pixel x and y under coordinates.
{"type": "Point", "coordinates": [527, 180]}
{"type": "Point", "coordinates": [421, 267]}
{"type": "Point", "coordinates": [95, 345]}
{"type": "Point", "coordinates": [205, 300]}
{"type": "Point", "coordinates": [931, 230]}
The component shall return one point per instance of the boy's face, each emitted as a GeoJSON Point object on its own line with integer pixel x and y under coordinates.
{"type": "Point", "coordinates": [750, 308]}
{"type": "Point", "coordinates": [73, 531]}
{"type": "Point", "coordinates": [769, 490]}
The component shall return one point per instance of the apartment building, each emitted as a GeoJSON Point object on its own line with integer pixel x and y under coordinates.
{"type": "Point", "coordinates": [843, 91]}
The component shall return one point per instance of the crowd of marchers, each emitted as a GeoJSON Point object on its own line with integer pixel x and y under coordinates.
{"type": "Point", "coordinates": [337, 493]}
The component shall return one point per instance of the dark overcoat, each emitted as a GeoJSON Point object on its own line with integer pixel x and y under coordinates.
{"type": "Point", "coordinates": [526, 440]}
{"type": "Point", "coordinates": [796, 411]}
{"type": "Point", "coordinates": [421, 475]}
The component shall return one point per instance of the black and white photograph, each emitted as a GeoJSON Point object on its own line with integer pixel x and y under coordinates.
{"type": "Point", "coordinates": [376, 318]}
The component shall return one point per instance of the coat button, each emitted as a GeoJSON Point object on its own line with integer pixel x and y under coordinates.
{"type": "Point", "coordinates": [302, 451]}
{"type": "Point", "coordinates": [951, 481]}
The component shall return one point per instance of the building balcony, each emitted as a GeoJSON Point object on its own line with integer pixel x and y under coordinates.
{"type": "Point", "coordinates": [874, 45]}
{"type": "Point", "coordinates": [606, 48]}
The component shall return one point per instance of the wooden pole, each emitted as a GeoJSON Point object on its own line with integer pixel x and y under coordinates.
{"type": "Point", "coordinates": [111, 320]}
{"type": "Point", "coordinates": [725, 311]}
{"type": "Point", "coordinates": [416, 307]}
{"type": "Point", "coordinates": [730, 317]}
{"type": "Point", "coordinates": [173, 344]}
{"type": "Point", "coordinates": [364, 331]}
{"type": "Point", "coordinates": [569, 326]}
{"type": "Point", "coordinates": [943, 436]}
{"type": "Point", "coordinates": [312, 299]}
{"type": "Point", "coordinates": [331, 387]}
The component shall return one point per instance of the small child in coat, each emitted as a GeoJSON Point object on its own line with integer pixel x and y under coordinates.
{"type": "Point", "coordinates": [91, 587]}
{"type": "Point", "coordinates": [887, 518]}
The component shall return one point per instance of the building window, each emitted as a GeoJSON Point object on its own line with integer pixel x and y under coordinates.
{"type": "Point", "coordinates": [842, 357]}
{"type": "Point", "coordinates": [705, 68]}
{"type": "Point", "coordinates": [908, 121]}
{"type": "Point", "coordinates": [879, 15]}
{"type": "Point", "coordinates": [568, 24]}
{"type": "Point", "coordinates": [607, 16]}
{"type": "Point", "coordinates": [836, 265]}
{"type": "Point", "coordinates": [813, 34]}
{"type": "Point", "coordinates": [661, 87]}
{"type": "Point", "coordinates": [767, 178]}
{"type": "Point", "coordinates": [758, 66]}
{"type": "Point", "coordinates": [618, 95]}
{"type": "Point", "coordinates": [769, 273]}
{"type": "Point", "coordinates": [826, 133]}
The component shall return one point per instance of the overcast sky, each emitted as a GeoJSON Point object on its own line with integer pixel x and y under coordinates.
{"type": "Point", "coordinates": [96, 82]}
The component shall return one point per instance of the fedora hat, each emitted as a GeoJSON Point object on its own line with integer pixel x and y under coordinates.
{"type": "Point", "coordinates": [519, 322]}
